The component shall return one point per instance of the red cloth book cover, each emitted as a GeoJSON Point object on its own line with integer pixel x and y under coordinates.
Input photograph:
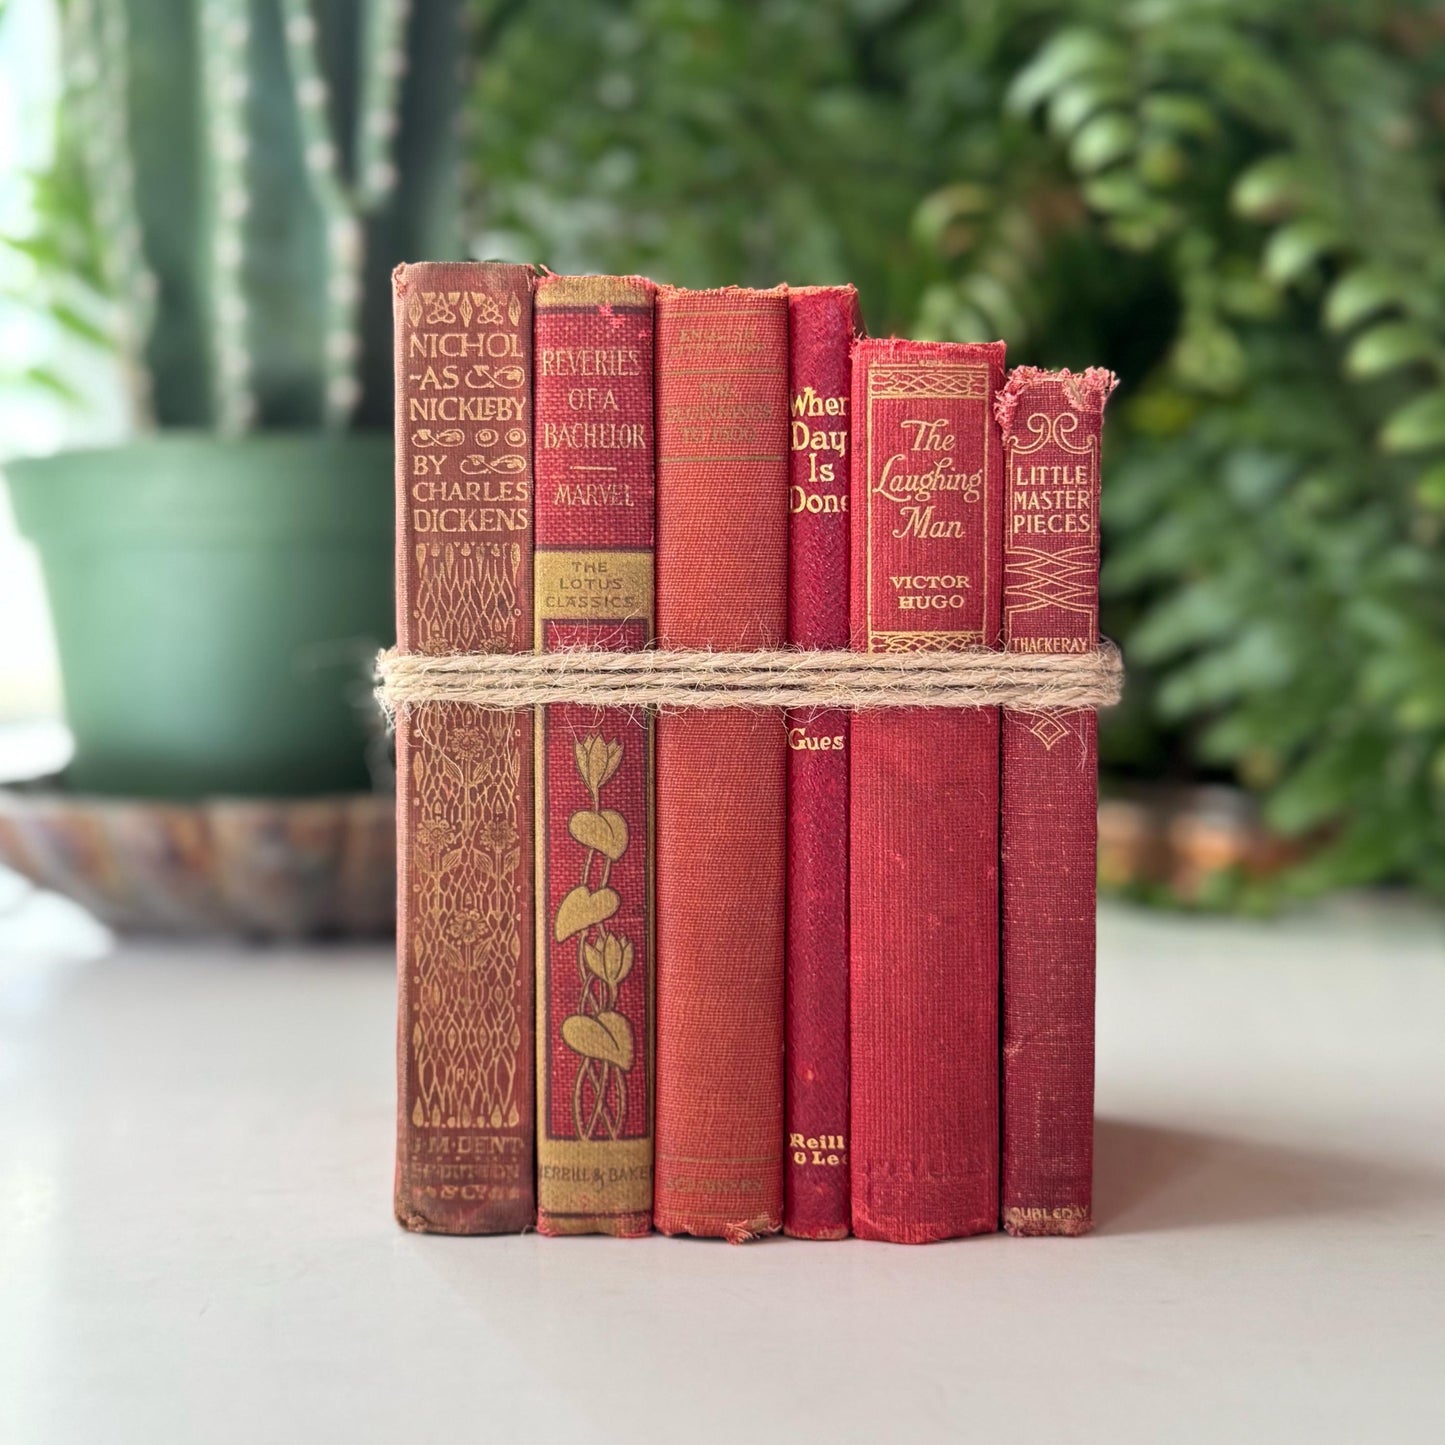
{"type": "Point", "coordinates": [594, 588]}
{"type": "Point", "coordinates": [1051, 424]}
{"type": "Point", "coordinates": [465, 1155]}
{"type": "Point", "coordinates": [927, 506]}
{"type": "Point", "coordinates": [722, 562]}
{"type": "Point", "coordinates": [822, 321]}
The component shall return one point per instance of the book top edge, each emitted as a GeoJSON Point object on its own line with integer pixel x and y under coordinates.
{"type": "Point", "coordinates": [458, 270]}
{"type": "Point", "coordinates": [553, 290]}
{"type": "Point", "coordinates": [899, 348]}
{"type": "Point", "coordinates": [707, 293]}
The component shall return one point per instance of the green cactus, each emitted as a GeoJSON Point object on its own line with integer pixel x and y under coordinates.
{"type": "Point", "coordinates": [254, 169]}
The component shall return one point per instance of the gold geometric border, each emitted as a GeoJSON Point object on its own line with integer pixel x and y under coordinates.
{"type": "Point", "coordinates": [921, 382]}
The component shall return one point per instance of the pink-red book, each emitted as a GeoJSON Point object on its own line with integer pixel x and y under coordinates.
{"type": "Point", "coordinates": [593, 588]}
{"type": "Point", "coordinates": [927, 510]}
{"type": "Point", "coordinates": [722, 557]}
{"type": "Point", "coordinates": [822, 321]}
{"type": "Point", "coordinates": [1051, 423]}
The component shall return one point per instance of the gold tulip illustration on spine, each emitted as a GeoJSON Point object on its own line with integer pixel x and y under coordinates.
{"type": "Point", "coordinates": [597, 1031]}
{"type": "Point", "coordinates": [594, 836]}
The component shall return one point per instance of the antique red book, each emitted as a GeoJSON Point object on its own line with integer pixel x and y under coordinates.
{"type": "Point", "coordinates": [722, 560]}
{"type": "Point", "coordinates": [465, 1155]}
{"type": "Point", "coordinates": [1051, 423]}
{"type": "Point", "coordinates": [594, 588]}
{"type": "Point", "coordinates": [927, 506]}
{"type": "Point", "coordinates": [822, 321]}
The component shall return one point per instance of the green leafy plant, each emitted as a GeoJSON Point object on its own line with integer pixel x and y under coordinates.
{"type": "Point", "coordinates": [1233, 203]}
{"type": "Point", "coordinates": [1276, 504]}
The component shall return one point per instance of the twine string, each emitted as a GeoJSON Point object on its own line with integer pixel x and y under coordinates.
{"type": "Point", "coordinates": [791, 678]}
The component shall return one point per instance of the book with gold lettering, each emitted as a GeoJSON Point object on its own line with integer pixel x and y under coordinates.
{"type": "Point", "coordinates": [722, 562]}
{"type": "Point", "coordinates": [822, 321]}
{"type": "Point", "coordinates": [594, 588]}
{"type": "Point", "coordinates": [927, 511]}
{"type": "Point", "coordinates": [1051, 424]}
{"type": "Point", "coordinates": [465, 1132]}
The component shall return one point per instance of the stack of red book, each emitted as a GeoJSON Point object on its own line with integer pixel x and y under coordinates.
{"type": "Point", "coordinates": [730, 971]}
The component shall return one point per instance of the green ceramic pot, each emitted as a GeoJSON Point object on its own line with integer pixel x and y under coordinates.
{"type": "Point", "coordinates": [216, 606]}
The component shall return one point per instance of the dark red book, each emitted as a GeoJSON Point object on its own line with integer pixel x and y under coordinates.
{"type": "Point", "coordinates": [822, 321]}
{"type": "Point", "coordinates": [1051, 423]}
{"type": "Point", "coordinates": [927, 509]}
{"type": "Point", "coordinates": [593, 570]}
{"type": "Point", "coordinates": [465, 1156]}
{"type": "Point", "coordinates": [722, 562]}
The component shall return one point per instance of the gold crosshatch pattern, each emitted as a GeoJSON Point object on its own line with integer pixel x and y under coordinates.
{"type": "Point", "coordinates": [926, 382]}
{"type": "Point", "coordinates": [1064, 577]}
{"type": "Point", "coordinates": [465, 938]}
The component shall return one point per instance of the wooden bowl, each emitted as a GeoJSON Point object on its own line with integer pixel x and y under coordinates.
{"type": "Point", "coordinates": [256, 867]}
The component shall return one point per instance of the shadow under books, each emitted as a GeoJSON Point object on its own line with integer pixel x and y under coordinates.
{"type": "Point", "coordinates": [1151, 1177]}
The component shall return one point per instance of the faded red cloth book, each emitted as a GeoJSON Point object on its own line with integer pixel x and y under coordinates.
{"type": "Point", "coordinates": [927, 506]}
{"type": "Point", "coordinates": [822, 321]}
{"type": "Point", "coordinates": [465, 1157]}
{"type": "Point", "coordinates": [594, 588]}
{"type": "Point", "coordinates": [722, 559]}
{"type": "Point", "coordinates": [1051, 424]}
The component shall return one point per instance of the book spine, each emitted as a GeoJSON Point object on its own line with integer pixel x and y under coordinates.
{"type": "Point", "coordinates": [927, 507]}
{"type": "Point", "coordinates": [722, 554]}
{"type": "Point", "coordinates": [465, 1155]}
{"type": "Point", "coordinates": [822, 321]}
{"type": "Point", "coordinates": [594, 588]}
{"type": "Point", "coordinates": [1051, 425]}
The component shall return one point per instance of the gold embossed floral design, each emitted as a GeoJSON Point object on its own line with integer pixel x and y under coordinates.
{"type": "Point", "coordinates": [597, 1032]}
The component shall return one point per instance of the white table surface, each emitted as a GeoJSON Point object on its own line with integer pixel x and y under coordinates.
{"type": "Point", "coordinates": [196, 1241]}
